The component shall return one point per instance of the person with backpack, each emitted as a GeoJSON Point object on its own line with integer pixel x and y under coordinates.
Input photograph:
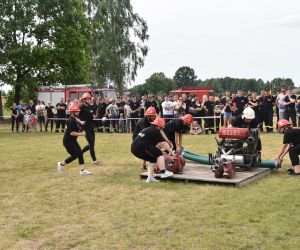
{"type": "Point", "coordinates": [146, 146]}
{"type": "Point", "coordinates": [70, 141]}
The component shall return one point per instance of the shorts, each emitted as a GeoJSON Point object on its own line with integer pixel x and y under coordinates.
{"type": "Point", "coordinates": [146, 152]}
{"type": "Point", "coordinates": [41, 119]}
{"type": "Point", "coordinates": [227, 114]}
{"type": "Point", "coordinates": [113, 122]}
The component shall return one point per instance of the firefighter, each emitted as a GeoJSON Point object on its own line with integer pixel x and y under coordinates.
{"type": "Point", "coordinates": [86, 116]}
{"type": "Point", "coordinates": [209, 106]}
{"type": "Point", "coordinates": [267, 111]}
{"type": "Point", "coordinates": [290, 107]}
{"type": "Point", "coordinates": [247, 120]}
{"type": "Point", "coordinates": [291, 145]}
{"type": "Point", "coordinates": [146, 147]}
{"type": "Point", "coordinates": [70, 141]}
{"type": "Point", "coordinates": [61, 115]}
{"type": "Point", "coordinates": [176, 128]}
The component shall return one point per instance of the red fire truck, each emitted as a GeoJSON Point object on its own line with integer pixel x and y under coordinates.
{"type": "Point", "coordinates": [191, 91]}
{"type": "Point", "coordinates": [55, 93]}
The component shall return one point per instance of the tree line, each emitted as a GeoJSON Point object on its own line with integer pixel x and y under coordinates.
{"type": "Point", "coordinates": [69, 42]}
{"type": "Point", "coordinates": [160, 84]}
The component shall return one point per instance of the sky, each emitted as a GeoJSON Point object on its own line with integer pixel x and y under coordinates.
{"type": "Point", "coordinates": [218, 38]}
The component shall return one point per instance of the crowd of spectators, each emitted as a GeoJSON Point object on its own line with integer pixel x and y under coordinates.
{"type": "Point", "coordinates": [122, 114]}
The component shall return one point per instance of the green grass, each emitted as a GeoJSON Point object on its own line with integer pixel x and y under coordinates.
{"type": "Point", "coordinates": [114, 209]}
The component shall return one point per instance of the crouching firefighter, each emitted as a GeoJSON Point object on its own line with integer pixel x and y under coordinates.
{"type": "Point", "coordinates": [247, 120]}
{"type": "Point", "coordinates": [146, 147]}
{"type": "Point", "coordinates": [291, 145]}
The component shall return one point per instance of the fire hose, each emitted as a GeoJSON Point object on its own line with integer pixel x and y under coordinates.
{"type": "Point", "coordinates": [272, 164]}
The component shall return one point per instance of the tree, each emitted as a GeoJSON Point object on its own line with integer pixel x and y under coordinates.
{"type": "Point", "coordinates": [185, 76]}
{"type": "Point", "coordinates": [118, 41]}
{"type": "Point", "coordinates": [43, 42]}
{"type": "Point", "coordinates": [277, 83]}
{"type": "Point", "coordinates": [156, 84]}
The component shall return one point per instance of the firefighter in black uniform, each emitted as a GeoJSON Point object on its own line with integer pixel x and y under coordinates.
{"type": "Point", "coordinates": [290, 107]}
{"type": "Point", "coordinates": [267, 111]}
{"type": "Point", "coordinates": [240, 102]}
{"type": "Point", "coordinates": [151, 103]}
{"type": "Point", "coordinates": [61, 115]}
{"type": "Point", "coordinates": [145, 122]}
{"type": "Point", "coordinates": [70, 141]}
{"type": "Point", "coordinates": [247, 120]}
{"type": "Point", "coordinates": [291, 145]}
{"type": "Point", "coordinates": [135, 107]}
{"type": "Point", "coordinates": [146, 147]}
{"type": "Point", "coordinates": [174, 130]}
{"type": "Point", "coordinates": [209, 106]}
{"type": "Point", "coordinates": [86, 115]}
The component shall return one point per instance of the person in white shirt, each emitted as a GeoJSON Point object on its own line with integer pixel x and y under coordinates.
{"type": "Point", "coordinates": [168, 109]}
{"type": "Point", "coordinates": [127, 112]}
{"type": "Point", "coordinates": [280, 103]}
{"type": "Point", "coordinates": [40, 111]}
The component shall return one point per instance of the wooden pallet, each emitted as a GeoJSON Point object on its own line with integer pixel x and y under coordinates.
{"type": "Point", "coordinates": [194, 172]}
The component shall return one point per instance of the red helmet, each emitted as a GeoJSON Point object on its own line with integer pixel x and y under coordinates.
{"type": "Point", "coordinates": [150, 111]}
{"type": "Point", "coordinates": [74, 107]}
{"type": "Point", "coordinates": [283, 122]}
{"type": "Point", "coordinates": [85, 96]}
{"type": "Point", "coordinates": [159, 122]}
{"type": "Point", "coordinates": [188, 119]}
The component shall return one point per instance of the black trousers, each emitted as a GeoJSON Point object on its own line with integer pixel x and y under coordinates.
{"type": "Point", "coordinates": [60, 123]}
{"type": "Point", "coordinates": [291, 114]}
{"type": "Point", "coordinates": [51, 125]}
{"type": "Point", "coordinates": [268, 119]}
{"type": "Point", "coordinates": [294, 153]}
{"type": "Point", "coordinates": [209, 123]}
{"type": "Point", "coordinates": [13, 122]}
{"type": "Point", "coordinates": [90, 137]}
{"type": "Point", "coordinates": [18, 121]}
{"type": "Point", "coordinates": [74, 150]}
{"type": "Point", "coordinates": [134, 121]}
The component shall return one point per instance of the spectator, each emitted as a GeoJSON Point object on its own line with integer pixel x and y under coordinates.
{"type": "Point", "coordinates": [253, 103]}
{"type": "Point", "coordinates": [135, 110]}
{"type": "Point", "coordinates": [240, 102]}
{"type": "Point", "coordinates": [151, 103]}
{"type": "Point", "coordinates": [32, 122]}
{"type": "Point", "coordinates": [113, 113]}
{"type": "Point", "coordinates": [227, 111]}
{"type": "Point", "coordinates": [14, 115]}
{"type": "Point", "coordinates": [209, 107]}
{"type": "Point", "coordinates": [122, 123]}
{"type": "Point", "coordinates": [197, 110]}
{"type": "Point", "coordinates": [50, 115]}
{"type": "Point", "coordinates": [168, 109]}
{"type": "Point", "coordinates": [268, 102]}
{"type": "Point", "coordinates": [280, 103]}
{"type": "Point", "coordinates": [40, 108]}
{"type": "Point", "coordinates": [100, 113]}
{"type": "Point", "coordinates": [27, 120]}
{"type": "Point", "coordinates": [298, 110]}
{"type": "Point", "coordinates": [20, 116]}
{"type": "Point", "coordinates": [127, 113]}
{"type": "Point", "coordinates": [61, 115]}
{"type": "Point", "coordinates": [142, 106]}
{"type": "Point", "coordinates": [160, 101]}
{"type": "Point", "coordinates": [290, 102]}
{"type": "Point", "coordinates": [31, 107]}
{"type": "Point", "coordinates": [217, 113]}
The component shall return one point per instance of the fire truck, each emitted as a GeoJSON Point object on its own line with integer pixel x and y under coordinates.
{"type": "Point", "coordinates": [191, 91]}
{"type": "Point", "coordinates": [55, 93]}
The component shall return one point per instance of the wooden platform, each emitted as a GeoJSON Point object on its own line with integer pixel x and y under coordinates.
{"type": "Point", "coordinates": [194, 172]}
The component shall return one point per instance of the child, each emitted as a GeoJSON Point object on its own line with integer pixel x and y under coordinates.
{"type": "Point", "coordinates": [195, 128]}
{"type": "Point", "coordinates": [32, 123]}
{"type": "Point", "coordinates": [27, 120]}
{"type": "Point", "coordinates": [122, 123]}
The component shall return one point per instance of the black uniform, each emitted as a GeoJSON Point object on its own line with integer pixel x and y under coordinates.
{"type": "Point", "coordinates": [61, 114]}
{"type": "Point", "coordinates": [209, 122]}
{"type": "Point", "coordinates": [86, 114]}
{"type": "Point", "coordinates": [153, 104]}
{"type": "Point", "coordinates": [292, 136]}
{"type": "Point", "coordinates": [240, 102]}
{"type": "Point", "coordinates": [144, 145]}
{"type": "Point", "coordinates": [239, 122]}
{"type": "Point", "coordinates": [175, 126]}
{"type": "Point", "coordinates": [70, 142]}
{"type": "Point", "coordinates": [290, 110]}
{"type": "Point", "coordinates": [50, 116]}
{"type": "Point", "coordinates": [267, 111]}
{"type": "Point", "coordinates": [198, 113]}
{"type": "Point", "coordinates": [142, 124]}
{"type": "Point", "coordinates": [101, 109]}
{"type": "Point", "coordinates": [134, 106]}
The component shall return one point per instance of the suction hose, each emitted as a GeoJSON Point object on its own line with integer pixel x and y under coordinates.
{"type": "Point", "coordinates": [205, 160]}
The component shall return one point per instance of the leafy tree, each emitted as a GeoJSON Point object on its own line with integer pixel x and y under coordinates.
{"type": "Point", "coordinates": [277, 83]}
{"type": "Point", "coordinates": [118, 41]}
{"type": "Point", "coordinates": [185, 76]}
{"type": "Point", "coordinates": [156, 84]}
{"type": "Point", "coordinates": [43, 42]}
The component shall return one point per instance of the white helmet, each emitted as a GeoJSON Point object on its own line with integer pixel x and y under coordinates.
{"type": "Point", "coordinates": [248, 113]}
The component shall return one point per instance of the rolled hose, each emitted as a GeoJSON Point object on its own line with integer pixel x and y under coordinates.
{"type": "Point", "coordinates": [205, 160]}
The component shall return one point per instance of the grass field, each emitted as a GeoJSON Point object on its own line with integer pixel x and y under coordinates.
{"type": "Point", "coordinates": [114, 209]}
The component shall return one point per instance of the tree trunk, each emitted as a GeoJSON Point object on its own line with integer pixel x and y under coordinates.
{"type": "Point", "coordinates": [17, 96]}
